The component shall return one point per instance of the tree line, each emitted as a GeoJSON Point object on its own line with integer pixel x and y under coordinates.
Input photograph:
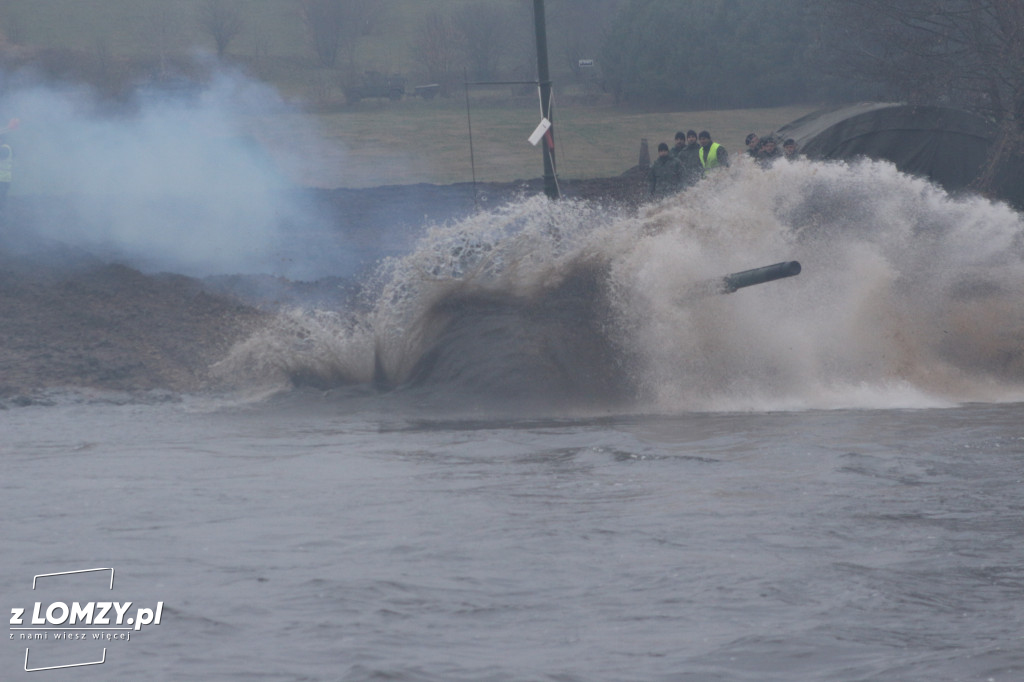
{"type": "Point", "coordinates": [698, 54]}
{"type": "Point", "coordinates": [688, 54]}
{"type": "Point", "coordinates": [717, 54]}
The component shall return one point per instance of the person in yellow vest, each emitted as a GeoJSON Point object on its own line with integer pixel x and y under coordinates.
{"type": "Point", "coordinates": [6, 174]}
{"type": "Point", "coordinates": [712, 154]}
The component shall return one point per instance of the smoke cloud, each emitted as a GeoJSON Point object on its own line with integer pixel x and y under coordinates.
{"type": "Point", "coordinates": [174, 182]}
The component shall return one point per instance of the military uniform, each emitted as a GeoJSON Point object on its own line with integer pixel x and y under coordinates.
{"type": "Point", "coordinates": [665, 176]}
{"type": "Point", "coordinates": [693, 169]}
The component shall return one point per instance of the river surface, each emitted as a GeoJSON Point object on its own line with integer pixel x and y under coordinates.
{"type": "Point", "coordinates": [336, 536]}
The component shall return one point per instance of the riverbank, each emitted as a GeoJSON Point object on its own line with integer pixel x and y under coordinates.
{"type": "Point", "coordinates": [76, 319]}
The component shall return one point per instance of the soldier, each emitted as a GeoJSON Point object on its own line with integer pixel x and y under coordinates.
{"type": "Point", "coordinates": [680, 145]}
{"type": "Point", "coordinates": [789, 149]}
{"type": "Point", "coordinates": [769, 152]}
{"type": "Point", "coordinates": [753, 145]}
{"type": "Point", "coordinates": [666, 174]}
{"type": "Point", "coordinates": [689, 157]}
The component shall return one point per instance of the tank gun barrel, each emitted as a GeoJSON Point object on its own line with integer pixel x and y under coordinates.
{"type": "Point", "coordinates": [768, 273]}
{"type": "Point", "coordinates": [739, 280]}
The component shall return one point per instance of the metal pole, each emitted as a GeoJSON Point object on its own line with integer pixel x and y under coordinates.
{"type": "Point", "coordinates": [544, 78]}
{"type": "Point", "coordinates": [469, 124]}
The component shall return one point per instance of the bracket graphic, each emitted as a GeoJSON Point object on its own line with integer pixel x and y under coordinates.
{"type": "Point", "coordinates": [70, 665]}
{"type": "Point", "coordinates": [84, 570]}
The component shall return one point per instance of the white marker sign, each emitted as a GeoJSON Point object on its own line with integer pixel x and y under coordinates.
{"type": "Point", "coordinates": [539, 132]}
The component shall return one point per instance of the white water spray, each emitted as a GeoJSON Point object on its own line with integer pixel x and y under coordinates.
{"type": "Point", "coordinates": [908, 298]}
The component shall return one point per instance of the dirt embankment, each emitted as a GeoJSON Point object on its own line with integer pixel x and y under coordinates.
{"type": "Point", "coordinates": [112, 327]}
{"type": "Point", "coordinates": [89, 324]}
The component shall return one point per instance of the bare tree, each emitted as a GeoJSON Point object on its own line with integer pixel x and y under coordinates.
{"type": "Point", "coordinates": [161, 29]}
{"type": "Point", "coordinates": [105, 78]}
{"type": "Point", "coordinates": [438, 48]}
{"type": "Point", "coordinates": [334, 25]}
{"type": "Point", "coordinates": [962, 52]}
{"type": "Point", "coordinates": [484, 28]}
{"type": "Point", "coordinates": [365, 16]}
{"type": "Point", "coordinates": [11, 27]}
{"type": "Point", "coordinates": [578, 29]}
{"type": "Point", "coordinates": [324, 21]}
{"type": "Point", "coordinates": [222, 20]}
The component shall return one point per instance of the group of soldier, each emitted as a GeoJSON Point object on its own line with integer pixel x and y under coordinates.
{"type": "Point", "coordinates": [764, 150]}
{"type": "Point", "coordinates": [694, 155]}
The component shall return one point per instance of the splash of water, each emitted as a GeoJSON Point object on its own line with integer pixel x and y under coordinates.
{"type": "Point", "coordinates": [908, 298]}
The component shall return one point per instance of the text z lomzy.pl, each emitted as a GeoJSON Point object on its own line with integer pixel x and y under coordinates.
{"type": "Point", "coordinates": [102, 613]}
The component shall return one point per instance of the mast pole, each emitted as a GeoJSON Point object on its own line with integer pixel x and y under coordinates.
{"type": "Point", "coordinates": [544, 80]}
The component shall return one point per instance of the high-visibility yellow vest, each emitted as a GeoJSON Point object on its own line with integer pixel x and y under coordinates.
{"type": "Point", "coordinates": [711, 160]}
{"type": "Point", "coordinates": [6, 163]}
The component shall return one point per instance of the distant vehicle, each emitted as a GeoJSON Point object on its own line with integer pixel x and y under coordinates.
{"type": "Point", "coordinates": [174, 89]}
{"type": "Point", "coordinates": [428, 91]}
{"type": "Point", "coordinates": [375, 84]}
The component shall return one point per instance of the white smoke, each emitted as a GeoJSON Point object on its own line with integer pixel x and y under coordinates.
{"type": "Point", "coordinates": [177, 182]}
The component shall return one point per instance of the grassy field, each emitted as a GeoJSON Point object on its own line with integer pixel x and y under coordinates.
{"type": "Point", "coordinates": [411, 142]}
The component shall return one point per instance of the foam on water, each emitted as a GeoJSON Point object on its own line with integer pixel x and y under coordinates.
{"type": "Point", "coordinates": [908, 298]}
